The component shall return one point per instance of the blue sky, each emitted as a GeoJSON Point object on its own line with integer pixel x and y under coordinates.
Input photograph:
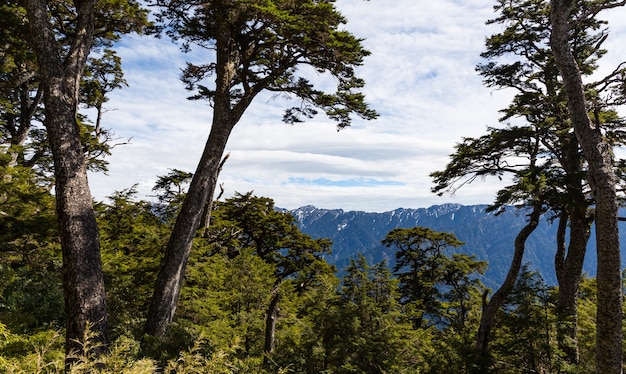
{"type": "Point", "coordinates": [420, 78]}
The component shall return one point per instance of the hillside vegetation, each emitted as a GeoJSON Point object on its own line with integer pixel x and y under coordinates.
{"type": "Point", "coordinates": [259, 296]}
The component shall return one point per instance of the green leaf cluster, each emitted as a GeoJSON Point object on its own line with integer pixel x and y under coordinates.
{"type": "Point", "coordinates": [270, 44]}
{"type": "Point", "coordinates": [359, 321]}
{"type": "Point", "coordinates": [21, 107]}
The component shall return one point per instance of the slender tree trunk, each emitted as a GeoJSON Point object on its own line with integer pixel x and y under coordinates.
{"type": "Point", "coordinates": [568, 266]}
{"type": "Point", "coordinates": [22, 124]}
{"type": "Point", "coordinates": [208, 208]}
{"type": "Point", "coordinates": [491, 308]}
{"type": "Point", "coordinates": [602, 181]}
{"type": "Point", "coordinates": [174, 262]}
{"type": "Point", "coordinates": [83, 281]}
{"type": "Point", "coordinates": [171, 274]}
{"type": "Point", "coordinates": [270, 324]}
{"type": "Point", "coordinates": [569, 259]}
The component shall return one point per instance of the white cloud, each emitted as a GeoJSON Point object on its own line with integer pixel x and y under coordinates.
{"type": "Point", "coordinates": [420, 77]}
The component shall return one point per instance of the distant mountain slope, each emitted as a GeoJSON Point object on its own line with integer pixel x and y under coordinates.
{"type": "Point", "coordinates": [487, 236]}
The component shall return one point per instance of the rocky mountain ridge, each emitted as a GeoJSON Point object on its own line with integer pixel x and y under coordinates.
{"type": "Point", "coordinates": [488, 236]}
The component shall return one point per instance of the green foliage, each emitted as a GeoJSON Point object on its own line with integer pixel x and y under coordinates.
{"type": "Point", "coordinates": [435, 287]}
{"type": "Point", "coordinates": [21, 109]}
{"type": "Point", "coordinates": [374, 336]}
{"type": "Point", "coordinates": [102, 75]}
{"type": "Point", "coordinates": [171, 188]}
{"type": "Point", "coordinates": [537, 148]}
{"type": "Point", "coordinates": [30, 262]}
{"type": "Point", "coordinates": [364, 323]}
{"type": "Point", "coordinates": [523, 337]}
{"type": "Point", "coordinates": [34, 353]}
{"type": "Point", "coordinates": [587, 309]}
{"type": "Point", "coordinates": [226, 299]}
{"type": "Point", "coordinates": [272, 235]}
{"type": "Point", "coordinates": [27, 220]}
{"type": "Point", "coordinates": [267, 42]}
{"type": "Point", "coordinates": [132, 236]}
{"type": "Point", "coordinates": [420, 319]}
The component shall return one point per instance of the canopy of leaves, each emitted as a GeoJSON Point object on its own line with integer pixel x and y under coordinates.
{"type": "Point", "coordinates": [537, 149]}
{"type": "Point", "coordinates": [434, 284]}
{"type": "Point", "coordinates": [269, 42]}
{"type": "Point", "coordinates": [21, 111]}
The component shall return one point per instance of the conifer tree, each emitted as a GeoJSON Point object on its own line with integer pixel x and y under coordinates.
{"type": "Point", "coordinates": [62, 36]}
{"type": "Point", "coordinates": [602, 180]}
{"type": "Point", "coordinates": [544, 137]}
{"type": "Point", "coordinates": [257, 46]}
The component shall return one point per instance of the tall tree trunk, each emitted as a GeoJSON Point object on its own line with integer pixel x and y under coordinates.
{"type": "Point", "coordinates": [225, 116]}
{"type": "Point", "coordinates": [569, 259]}
{"type": "Point", "coordinates": [174, 262]}
{"type": "Point", "coordinates": [83, 282]}
{"type": "Point", "coordinates": [602, 181]}
{"type": "Point", "coordinates": [270, 325]}
{"type": "Point", "coordinates": [491, 307]}
{"type": "Point", "coordinates": [568, 266]}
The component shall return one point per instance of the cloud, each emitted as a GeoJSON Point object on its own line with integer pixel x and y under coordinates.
{"type": "Point", "coordinates": [420, 77]}
{"type": "Point", "coordinates": [349, 183]}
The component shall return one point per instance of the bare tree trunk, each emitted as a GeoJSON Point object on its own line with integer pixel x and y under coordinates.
{"type": "Point", "coordinates": [208, 208]}
{"type": "Point", "coordinates": [569, 259]}
{"type": "Point", "coordinates": [172, 271]}
{"type": "Point", "coordinates": [83, 282]}
{"type": "Point", "coordinates": [491, 308]}
{"type": "Point", "coordinates": [270, 324]}
{"type": "Point", "coordinates": [602, 181]}
{"type": "Point", "coordinates": [174, 262]}
{"type": "Point", "coordinates": [568, 266]}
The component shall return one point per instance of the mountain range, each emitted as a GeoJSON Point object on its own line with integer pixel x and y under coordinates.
{"type": "Point", "coordinates": [488, 236]}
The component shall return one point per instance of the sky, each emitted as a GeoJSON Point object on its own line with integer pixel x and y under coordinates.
{"type": "Point", "coordinates": [420, 78]}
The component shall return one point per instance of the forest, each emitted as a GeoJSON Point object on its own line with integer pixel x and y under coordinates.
{"type": "Point", "coordinates": [192, 282]}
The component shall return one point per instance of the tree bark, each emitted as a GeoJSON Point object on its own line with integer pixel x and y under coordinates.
{"type": "Point", "coordinates": [602, 181]}
{"type": "Point", "coordinates": [225, 116]}
{"type": "Point", "coordinates": [208, 208]}
{"type": "Point", "coordinates": [270, 325]}
{"type": "Point", "coordinates": [568, 276]}
{"type": "Point", "coordinates": [568, 268]}
{"type": "Point", "coordinates": [83, 282]}
{"type": "Point", "coordinates": [174, 262]}
{"type": "Point", "coordinates": [569, 259]}
{"type": "Point", "coordinates": [491, 307]}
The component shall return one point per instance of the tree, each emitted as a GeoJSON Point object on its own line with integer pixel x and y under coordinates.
{"type": "Point", "coordinates": [170, 190]}
{"type": "Point", "coordinates": [311, 349]}
{"type": "Point", "coordinates": [30, 256]}
{"type": "Point", "coordinates": [370, 335]}
{"type": "Point", "coordinates": [522, 336]}
{"type": "Point", "coordinates": [21, 91]}
{"type": "Point", "coordinates": [21, 95]}
{"type": "Point", "coordinates": [62, 46]}
{"type": "Point", "coordinates": [258, 46]}
{"type": "Point", "coordinates": [132, 234]}
{"type": "Point", "coordinates": [83, 279]}
{"type": "Point", "coordinates": [102, 75]}
{"type": "Point", "coordinates": [489, 155]}
{"type": "Point", "coordinates": [434, 285]}
{"type": "Point", "coordinates": [245, 281]}
{"type": "Point", "coordinates": [439, 292]}
{"type": "Point", "coordinates": [602, 179]}
{"type": "Point", "coordinates": [274, 237]}
{"type": "Point", "coordinates": [520, 58]}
